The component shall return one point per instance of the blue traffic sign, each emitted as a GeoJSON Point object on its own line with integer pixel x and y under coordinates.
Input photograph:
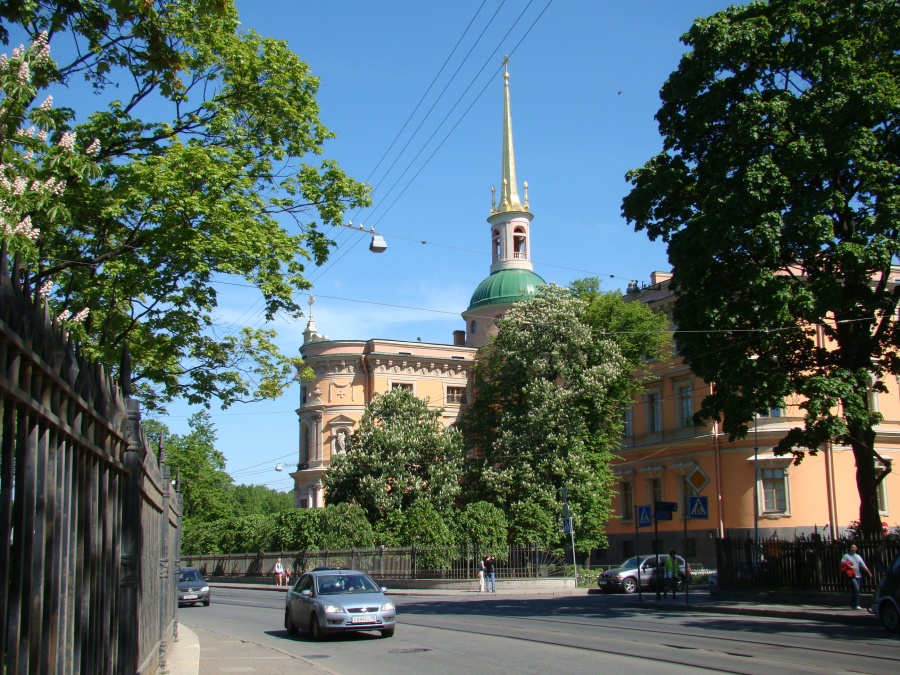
{"type": "Point", "coordinates": [698, 507]}
{"type": "Point", "coordinates": [664, 515]}
{"type": "Point", "coordinates": [644, 517]}
{"type": "Point", "coordinates": [567, 525]}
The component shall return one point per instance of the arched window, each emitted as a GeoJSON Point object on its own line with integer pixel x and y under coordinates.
{"type": "Point", "coordinates": [304, 444]}
{"type": "Point", "coordinates": [495, 244]}
{"type": "Point", "coordinates": [520, 240]}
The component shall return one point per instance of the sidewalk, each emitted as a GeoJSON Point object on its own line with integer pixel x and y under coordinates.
{"type": "Point", "coordinates": [207, 653]}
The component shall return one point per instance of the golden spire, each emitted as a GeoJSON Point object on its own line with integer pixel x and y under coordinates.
{"type": "Point", "coordinates": [509, 191]}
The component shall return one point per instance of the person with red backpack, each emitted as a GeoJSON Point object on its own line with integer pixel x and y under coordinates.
{"type": "Point", "coordinates": [852, 567]}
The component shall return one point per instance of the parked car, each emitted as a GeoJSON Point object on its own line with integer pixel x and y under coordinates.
{"type": "Point", "coordinates": [192, 587]}
{"type": "Point", "coordinates": [336, 601]}
{"type": "Point", "coordinates": [625, 576]}
{"type": "Point", "coordinates": [886, 605]}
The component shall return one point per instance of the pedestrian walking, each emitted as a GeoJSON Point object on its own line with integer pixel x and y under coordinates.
{"type": "Point", "coordinates": [479, 572]}
{"type": "Point", "coordinates": [279, 573]}
{"type": "Point", "coordinates": [852, 566]}
{"type": "Point", "coordinates": [671, 572]}
{"type": "Point", "coordinates": [489, 564]}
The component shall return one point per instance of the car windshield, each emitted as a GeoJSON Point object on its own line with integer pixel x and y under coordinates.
{"type": "Point", "coordinates": [189, 575]}
{"type": "Point", "coordinates": [631, 563]}
{"type": "Point", "coordinates": [334, 584]}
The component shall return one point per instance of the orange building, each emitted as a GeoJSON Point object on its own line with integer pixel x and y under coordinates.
{"type": "Point", "coordinates": [744, 489]}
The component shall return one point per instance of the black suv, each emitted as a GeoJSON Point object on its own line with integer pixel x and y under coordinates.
{"type": "Point", "coordinates": [887, 598]}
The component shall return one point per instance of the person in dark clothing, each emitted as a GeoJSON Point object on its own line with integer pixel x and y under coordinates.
{"type": "Point", "coordinates": [489, 565]}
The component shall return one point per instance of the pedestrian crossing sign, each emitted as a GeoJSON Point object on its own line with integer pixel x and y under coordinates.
{"type": "Point", "coordinates": [644, 519]}
{"type": "Point", "coordinates": [698, 507]}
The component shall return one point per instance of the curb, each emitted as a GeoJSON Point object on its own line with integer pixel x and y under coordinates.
{"type": "Point", "coordinates": [183, 657]}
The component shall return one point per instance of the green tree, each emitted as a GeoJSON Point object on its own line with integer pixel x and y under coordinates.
{"type": "Point", "coordinates": [777, 195]}
{"type": "Point", "coordinates": [259, 499]}
{"type": "Point", "coordinates": [534, 523]}
{"type": "Point", "coordinates": [484, 526]}
{"type": "Point", "coordinates": [547, 410]}
{"type": "Point", "coordinates": [424, 528]}
{"type": "Point", "coordinates": [200, 468]}
{"type": "Point", "coordinates": [298, 530]}
{"type": "Point", "coordinates": [401, 454]}
{"type": "Point", "coordinates": [205, 157]}
{"type": "Point", "coordinates": [345, 526]}
{"type": "Point", "coordinates": [248, 534]}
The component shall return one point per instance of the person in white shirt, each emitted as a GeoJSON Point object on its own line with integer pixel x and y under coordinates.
{"type": "Point", "coordinates": [856, 580]}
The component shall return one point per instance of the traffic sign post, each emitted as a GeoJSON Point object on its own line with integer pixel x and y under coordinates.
{"type": "Point", "coordinates": [568, 529]}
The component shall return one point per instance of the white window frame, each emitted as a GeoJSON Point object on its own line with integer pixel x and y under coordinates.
{"type": "Point", "coordinates": [684, 393]}
{"type": "Point", "coordinates": [628, 422]}
{"type": "Point", "coordinates": [653, 402]}
{"type": "Point", "coordinates": [465, 394]}
{"type": "Point", "coordinates": [784, 464]}
{"type": "Point", "coordinates": [403, 384]}
{"type": "Point", "coordinates": [627, 512]}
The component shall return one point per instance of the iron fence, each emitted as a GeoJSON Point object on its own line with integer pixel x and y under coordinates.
{"type": "Point", "coordinates": [801, 565]}
{"type": "Point", "coordinates": [88, 516]}
{"type": "Point", "coordinates": [406, 563]}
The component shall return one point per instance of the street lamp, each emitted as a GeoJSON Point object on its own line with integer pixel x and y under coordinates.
{"type": "Point", "coordinates": [377, 244]}
{"type": "Point", "coordinates": [754, 357]}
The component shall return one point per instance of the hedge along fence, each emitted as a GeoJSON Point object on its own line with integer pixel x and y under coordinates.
{"type": "Point", "coordinates": [414, 562]}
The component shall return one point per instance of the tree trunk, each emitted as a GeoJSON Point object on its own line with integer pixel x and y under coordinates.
{"type": "Point", "coordinates": [862, 440]}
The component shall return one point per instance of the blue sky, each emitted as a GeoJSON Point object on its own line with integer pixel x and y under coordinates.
{"type": "Point", "coordinates": [585, 78]}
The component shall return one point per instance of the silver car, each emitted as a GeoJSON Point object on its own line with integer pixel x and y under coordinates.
{"type": "Point", "coordinates": [192, 587]}
{"type": "Point", "coordinates": [625, 576]}
{"type": "Point", "coordinates": [337, 601]}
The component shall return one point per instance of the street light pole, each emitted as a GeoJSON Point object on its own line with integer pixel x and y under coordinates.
{"type": "Point", "coordinates": [756, 479]}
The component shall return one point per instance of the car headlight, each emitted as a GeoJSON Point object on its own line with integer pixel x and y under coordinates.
{"type": "Point", "coordinates": [619, 576]}
{"type": "Point", "coordinates": [204, 589]}
{"type": "Point", "coordinates": [334, 609]}
{"type": "Point", "coordinates": [387, 607]}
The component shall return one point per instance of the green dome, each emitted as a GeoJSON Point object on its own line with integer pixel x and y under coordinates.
{"type": "Point", "coordinates": [505, 287]}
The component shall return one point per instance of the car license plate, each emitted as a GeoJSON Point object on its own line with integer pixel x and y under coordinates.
{"type": "Point", "coordinates": [189, 597]}
{"type": "Point", "coordinates": [363, 618]}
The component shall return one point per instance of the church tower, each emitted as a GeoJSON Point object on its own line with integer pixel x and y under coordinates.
{"type": "Point", "coordinates": [512, 276]}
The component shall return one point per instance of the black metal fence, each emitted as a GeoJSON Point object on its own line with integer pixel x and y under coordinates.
{"type": "Point", "coordinates": [88, 517]}
{"type": "Point", "coordinates": [409, 563]}
{"type": "Point", "coordinates": [802, 565]}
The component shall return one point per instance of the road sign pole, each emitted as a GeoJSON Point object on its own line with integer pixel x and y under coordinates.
{"type": "Point", "coordinates": [685, 516]}
{"type": "Point", "coordinates": [637, 547]}
{"type": "Point", "coordinates": [656, 544]}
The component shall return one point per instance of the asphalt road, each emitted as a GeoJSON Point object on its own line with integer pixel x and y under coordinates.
{"type": "Point", "coordinates": [577, 634]}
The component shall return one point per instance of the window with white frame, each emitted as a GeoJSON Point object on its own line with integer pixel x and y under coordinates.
{"type": "Point", "coordinates": [773, 484]}
{"type": "Point", "coordinates": [456, 395]}
{"type": "Point", "coordinates": [684, 396]}
{"type": "Point", "coordinates": [654, 412]}
{"type": "Point", "coordinates": [408, 386]}
{"type": "Point", "coordinates": [304, 444]}
{"type": "Point", "coordinates": [656, 490]}
{"type": "Point", "coordinates": [773, 412]}
{"type": "Point", "coordinates": [627, 419]}
{"type": "Point", "coordinates": [626, 499]}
